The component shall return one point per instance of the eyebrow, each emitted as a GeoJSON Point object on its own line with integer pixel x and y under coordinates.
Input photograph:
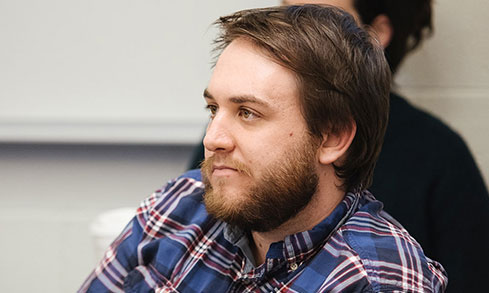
{"type": "Point", "coordinates": [239, 99]}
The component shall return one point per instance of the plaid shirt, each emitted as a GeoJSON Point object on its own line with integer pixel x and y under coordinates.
{"type": "Point", "coordinates": [174, 245]}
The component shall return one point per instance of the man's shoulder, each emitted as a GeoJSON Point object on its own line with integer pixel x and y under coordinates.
{"type": "Point", "coordinates": [375, 235]}
{"type": "Point", "coordinates": [183, 185]}
{"type": "Point", "coordinates": [189, 183]}
{"type": "Point", "coordinates": [390, 257]}
{"type": "Point", "coordinates": [411, 124]}
{"type": "Point", "coordinates": [420, 153]}
{"type": "Point", "coordinates": [179, 200]}
{"type": "Point", "coordinates": [194, 174]}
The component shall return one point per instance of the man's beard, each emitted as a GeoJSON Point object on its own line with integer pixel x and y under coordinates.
{"type": "Point", "coordinates": [283, 190]}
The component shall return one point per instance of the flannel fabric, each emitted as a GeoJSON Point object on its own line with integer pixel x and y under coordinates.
{"type": "Point", "coordinates": [174, 245]}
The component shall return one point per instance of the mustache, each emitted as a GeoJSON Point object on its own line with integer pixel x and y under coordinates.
{"type": "Point", "coordinates": [208, 164]}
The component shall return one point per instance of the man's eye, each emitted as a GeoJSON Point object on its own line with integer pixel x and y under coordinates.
{"type": "Point", "coordinates": [247, 114]}
{"type": "Point", "coordinates": [212, 110]}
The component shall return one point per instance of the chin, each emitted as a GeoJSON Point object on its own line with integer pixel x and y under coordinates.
{"type": "Point", "coordinates": [230, 194]}
{"type": "Point", "coordinates": [231, 186]}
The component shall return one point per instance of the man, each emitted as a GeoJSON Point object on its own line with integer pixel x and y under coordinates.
{"type": "Point", "coordinates": [425, 174]}
{"type": "Point", "coordinates": [298, 102]}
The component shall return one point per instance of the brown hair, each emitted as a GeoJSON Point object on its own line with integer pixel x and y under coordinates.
{"type": "Point", "coordinates": [342, 74]}
{"type": "Point", "coordinates": [410, 19]}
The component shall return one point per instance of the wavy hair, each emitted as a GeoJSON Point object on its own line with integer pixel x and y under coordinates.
{"type": "Point", "coordinates": [343, 77]}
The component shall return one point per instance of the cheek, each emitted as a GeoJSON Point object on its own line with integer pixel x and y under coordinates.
{"type": "Point", "coordinates": [268, 149]}
{"type": "Point", "coordinates": [254, 153]}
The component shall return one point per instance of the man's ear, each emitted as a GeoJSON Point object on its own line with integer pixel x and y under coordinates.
{"type": "Point", "coordinates": [334, 146]}
{"type": "Point", "coordinates": [382, 29]}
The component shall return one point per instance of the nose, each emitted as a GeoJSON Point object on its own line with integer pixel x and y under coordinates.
{"type": "Point", "coordinates": [219, 137]}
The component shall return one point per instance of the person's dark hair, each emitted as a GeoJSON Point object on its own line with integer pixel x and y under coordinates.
{"type": "Point", "coordinates": [411, 22]}
{"type": "Point", "coordinates": [342, 74]}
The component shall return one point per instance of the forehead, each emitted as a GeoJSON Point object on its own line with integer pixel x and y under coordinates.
{"type": "Point", "coordinates": [243, 69]}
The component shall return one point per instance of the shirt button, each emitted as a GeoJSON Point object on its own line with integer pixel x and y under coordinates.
{"type": "Point", "coordinates": [293, 266]}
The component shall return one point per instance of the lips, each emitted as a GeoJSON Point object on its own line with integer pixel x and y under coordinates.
{"type": "Point", "coordinates": [222, 167]}
{"type": "Point", "coordinates": [223, 170]}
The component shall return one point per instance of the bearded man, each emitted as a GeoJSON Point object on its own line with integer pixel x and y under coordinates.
{"type": "Point", "coordinates": [298, 104]}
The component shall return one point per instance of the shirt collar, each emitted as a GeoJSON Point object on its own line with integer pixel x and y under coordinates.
{"type": "Point", "coordinates": [298, 247]}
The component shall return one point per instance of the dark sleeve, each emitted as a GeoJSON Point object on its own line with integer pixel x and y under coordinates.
{"type": "Point", "coordinates": [460, 219]}
{"type": "Point", "coordinates": [197, 156]}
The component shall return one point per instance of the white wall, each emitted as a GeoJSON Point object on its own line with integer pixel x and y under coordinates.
{"type": "Point", "coordinates": [106, 70]}
{"type": "Point", "coordinates": [49, 194]}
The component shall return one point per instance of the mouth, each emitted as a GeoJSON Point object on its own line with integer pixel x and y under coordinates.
{"type": "Point", "coordinates": [222, 170]}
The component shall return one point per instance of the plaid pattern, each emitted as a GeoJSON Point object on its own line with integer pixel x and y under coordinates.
{"type": "Point", "coordinates": [173, 245]}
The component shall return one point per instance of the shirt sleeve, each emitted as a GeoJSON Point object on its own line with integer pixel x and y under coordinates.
{"type": "Point", "coordinates": [122, 256]}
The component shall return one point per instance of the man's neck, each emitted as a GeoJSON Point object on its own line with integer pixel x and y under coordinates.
{"type": "Point", "coordinates": [323, 202]}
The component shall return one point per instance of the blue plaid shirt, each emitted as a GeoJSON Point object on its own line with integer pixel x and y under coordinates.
{"type": "Point", "coordinates": [174, 245]}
